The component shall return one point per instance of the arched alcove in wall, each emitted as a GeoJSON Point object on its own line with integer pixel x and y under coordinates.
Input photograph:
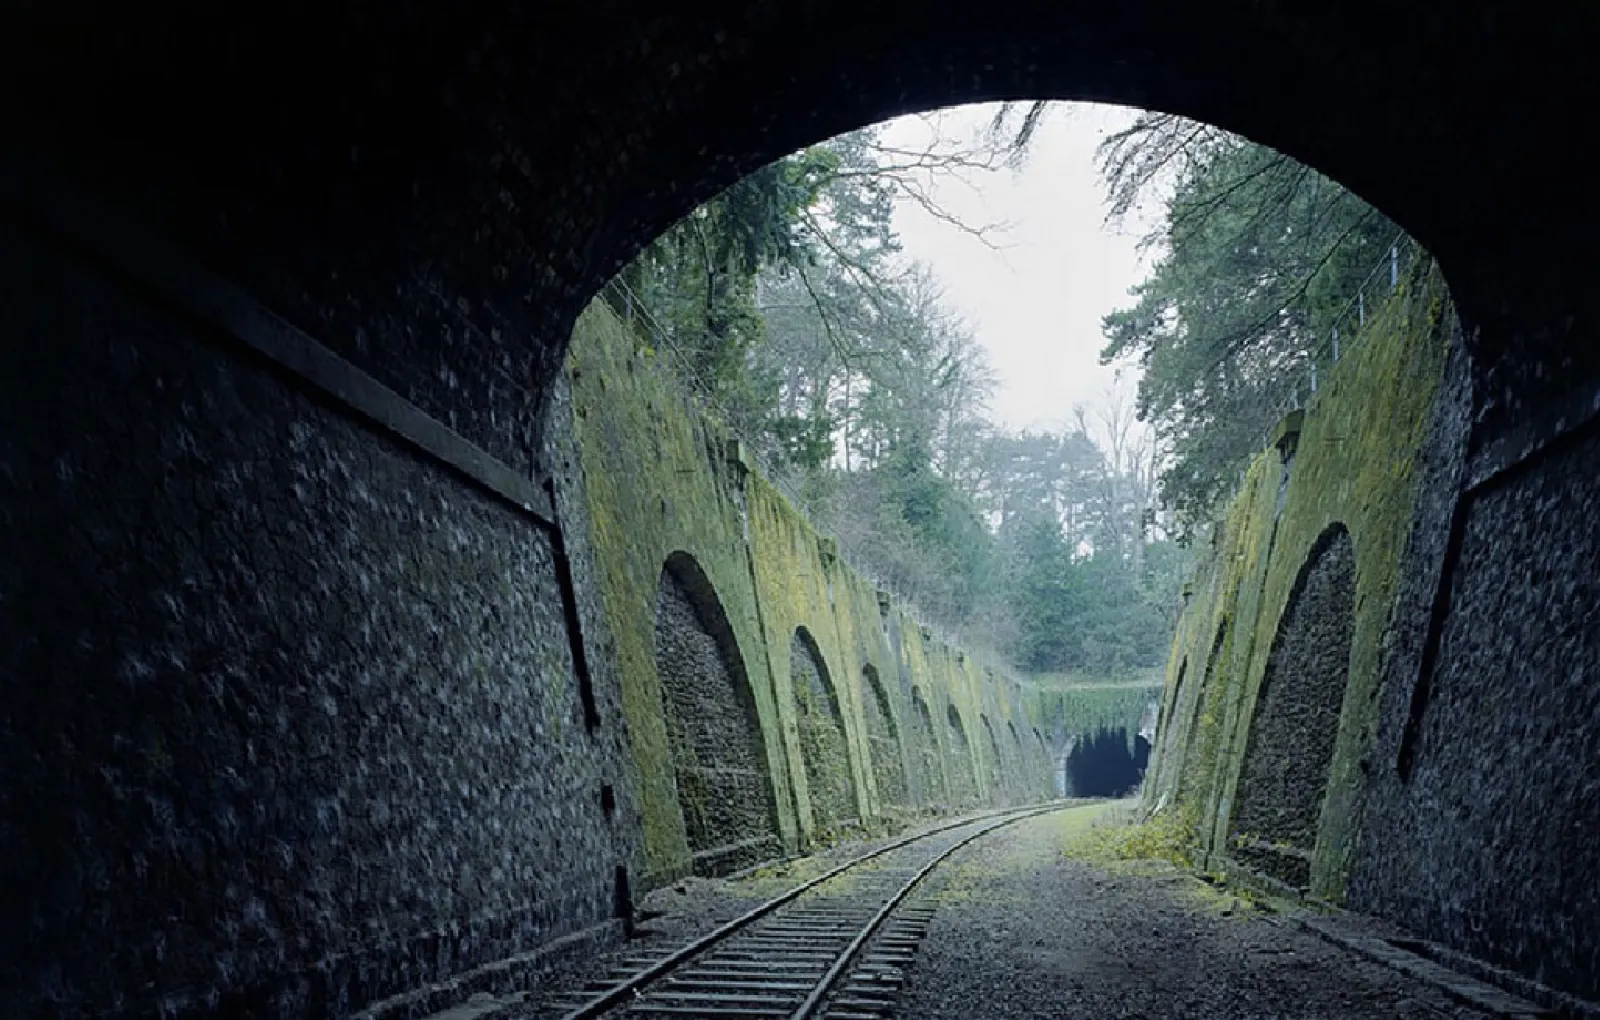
{"type": "Point", "coordinates": [1017, 761]}
{"type": "Point", "coordinates": [1295, 723]}
{"type": "Point", "coordinates": [883, 739]}
{"type": "Point", "coordinates": [1194, 765]}
{"type": "Point", "coordinates": [963, 780]}
{"type": "Point", "coordinates": [993, 765]}
{"type": "Point", "coordinates": [928, 769]}
{"type": "Point", "coordinates": [824, 749]}
{"type": "Point", "coordinates": [719, 756]}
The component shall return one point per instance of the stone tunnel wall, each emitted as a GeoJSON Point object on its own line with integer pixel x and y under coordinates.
{"type": "Point", "coordinates": [1286, 758]}
{"type": "Point", "coordinates": [1347, 464]}
{"type": "Point", "coordinates": [291, 722]}
{"type": "Point", "coordinates": [310, 708]}
{"type": "Point", "coordinates": [661, 480]}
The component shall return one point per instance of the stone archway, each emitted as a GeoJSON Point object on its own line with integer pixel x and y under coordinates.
{"type": "Point", "coordinates": [928, 767]}
{"type": "Point", "coordinates": [824, 748]}
{"type": "Point", "coordinates": [719, 754]}
{"type": "Point", "coordinates": [963, 779]}
{"type": "Point", "coordinates": [1295, 724]}
{"type": "Point", "coordinates": [883, 739]}
{"type": "Point", "coordinates": [993, 767]}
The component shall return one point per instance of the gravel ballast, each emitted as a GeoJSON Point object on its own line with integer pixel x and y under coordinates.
{"type": "Point", "coordinates": [1023, 929]}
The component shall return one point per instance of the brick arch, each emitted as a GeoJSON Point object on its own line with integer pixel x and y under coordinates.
{"type": "Point", "coordinates": [824, 747]}
{"type": "Point", "coordinates": [719, 752]}
{"type": "Point", "coordinates": [1295, 723]}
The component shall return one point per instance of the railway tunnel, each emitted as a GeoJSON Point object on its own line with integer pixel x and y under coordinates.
{"type": "Point", "coordinates": [314, 687]}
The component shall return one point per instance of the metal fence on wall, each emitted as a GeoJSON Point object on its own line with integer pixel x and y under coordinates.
{"type": "Point", "coordinates": [1345, 334]}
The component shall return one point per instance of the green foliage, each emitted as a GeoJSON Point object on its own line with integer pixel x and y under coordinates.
{"type": "Point", "coordinates": [785, 305]}
{"type": "Point", "coordinates": [1049, 597]}
{"type": "Point", "coordinates": [1163, 837]}
{"type": "Point", "coordinates": [1260, 258]}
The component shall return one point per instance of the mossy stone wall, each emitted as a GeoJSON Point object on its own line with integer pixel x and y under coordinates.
{"type": "Point", "coordinates": [883, 736]}
{"type": "Point", "coordinates": [1290, 747]}
{"type": "Point", "coordinates": [662, 480]}
{"type": "Point", "coordinates": [1347, 461]}
{"type": "Point", "coordinates": [824, 750]}
{"type": "Point", "coordinates": [713, 729]}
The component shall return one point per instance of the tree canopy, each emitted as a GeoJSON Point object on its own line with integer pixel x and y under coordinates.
{"type": "Point", "coordinates": [1259, 258]}
{"type": "Point", "coordinates": [789, 307]}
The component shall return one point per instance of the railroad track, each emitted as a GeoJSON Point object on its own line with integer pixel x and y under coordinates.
{"type": "Point", "coordinates": [835, 947]}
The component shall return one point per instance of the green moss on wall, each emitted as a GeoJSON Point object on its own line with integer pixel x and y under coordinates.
{"type": "Point", "coordinates": [660, 478]}
{"type": "Point", "coordinates": [1349, 461]}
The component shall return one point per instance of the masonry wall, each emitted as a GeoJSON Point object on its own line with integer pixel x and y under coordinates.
{"type": "Point", "coordinates": [1346, 465]}
{"type": "Point", "coordinates": [1484, 798]}
{"type": "Point", "coordinates": [291, 718]}
{"type": "Point", "coordinates": [1461, 791]}
{"type": "Point", "coordinates": [661, 480]}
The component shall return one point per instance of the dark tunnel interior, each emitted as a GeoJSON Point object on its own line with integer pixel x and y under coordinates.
{"type": "Point", "coordinates": [1102, 766]}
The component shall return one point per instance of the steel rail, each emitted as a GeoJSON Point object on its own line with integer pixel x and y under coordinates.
{"type": "Point", "coordinates": [630, 986]}
{"type": "Point", "coordinates": [824, 986]}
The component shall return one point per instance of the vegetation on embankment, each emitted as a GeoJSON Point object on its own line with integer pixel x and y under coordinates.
{"type": "Point", "coordinates": [664, 481]}
{"type": "Point", "coordinates": [1346, 462]}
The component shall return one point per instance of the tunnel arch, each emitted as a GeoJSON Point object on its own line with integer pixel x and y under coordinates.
{"type": "Point", "coordinates": [963, 777]}
{"type": "Point", "coordinates": [719, 753]}
{"type": "Point", "coordinates": [1105, 762]}
{"type": "Point", "coordinates": [602, 138]}
{"type": "Point", "coordinates": [1295, 723]}
{"type": "Point", "coordinates": [883, 740]}
{"type": "Point", "coordinates": [824, 744]}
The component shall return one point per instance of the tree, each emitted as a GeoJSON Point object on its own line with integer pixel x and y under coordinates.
{"type": "Point", "coordinates": [1259, 257]}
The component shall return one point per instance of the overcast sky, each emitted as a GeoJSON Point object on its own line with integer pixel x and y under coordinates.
{"type": "Point", "coordinates": [1036, 304]}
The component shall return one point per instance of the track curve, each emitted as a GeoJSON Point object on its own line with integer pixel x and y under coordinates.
{"type": "Point", "coordinates": [834, 946]}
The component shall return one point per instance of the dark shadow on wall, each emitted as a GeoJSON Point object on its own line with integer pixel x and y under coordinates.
{"type": "Point", "coordinates": [963, 780]}
{"type": "Point", "coordinates": [883, 739]}
{"type": "Point", "coordinates": [1296, 723]}
{"type": "Point", "coordinates": [927, 770]}
{"type": "Point", "coordinates": [719, 757]}
{"type": "Point", "coordinates": [1102, 765]}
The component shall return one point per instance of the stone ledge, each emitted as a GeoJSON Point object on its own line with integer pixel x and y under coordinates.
{"type": "Point", "coordinates": [1347, 932]}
